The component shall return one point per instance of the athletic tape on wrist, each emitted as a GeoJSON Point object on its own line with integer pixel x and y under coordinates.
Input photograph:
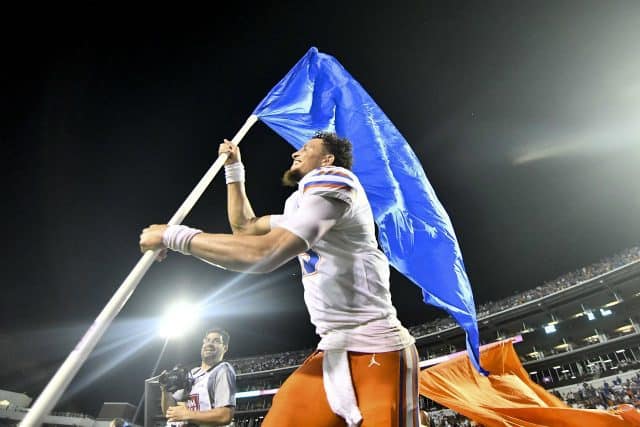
{"type": "Point", "coordinates": [178, 238]}
{"type": "Point", "coordinates": [234, 172]}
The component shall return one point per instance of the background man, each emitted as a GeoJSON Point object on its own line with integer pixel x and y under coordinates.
{"type": "Point", "coordinates": [211, 399]}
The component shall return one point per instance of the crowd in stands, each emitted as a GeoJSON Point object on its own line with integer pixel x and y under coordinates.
{"type": "Point", "coordinates": [573, 278]}
{"type": "Point", "coordinates": [605, 396]}
{"type": "Point", "coordinates": [294, 358]}
{"type": "Point", "coordinates": [270, 361]}
{"type": "Point", "coordinates": [263, 402]}
{"type": "Point", "coordinates": [449, 418]}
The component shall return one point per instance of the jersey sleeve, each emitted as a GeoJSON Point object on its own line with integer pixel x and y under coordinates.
{"type": "Point", "coordinates": [332, 182]}
{"type": "Point", "coordinates": [314, 217]}
{"type": "Point", "coordinates": [275, 220]}
{"type": "Point", "coordinates": [224, 387]}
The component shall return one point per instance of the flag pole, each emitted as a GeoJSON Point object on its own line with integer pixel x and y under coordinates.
{"type": "Point", "coordinates": [58, 384]}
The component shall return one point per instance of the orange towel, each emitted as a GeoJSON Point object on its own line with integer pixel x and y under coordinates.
{"type": "Point", "coordinates": [508, 397]}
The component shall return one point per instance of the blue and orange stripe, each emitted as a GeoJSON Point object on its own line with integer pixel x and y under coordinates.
{"type": "Point", "coordinates": [333, 185]}
{"type": "Point", "coordinates": [333, 172]}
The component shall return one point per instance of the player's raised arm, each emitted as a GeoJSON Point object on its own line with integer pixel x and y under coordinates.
{"type": "Point", "coordinates": [242, 218]}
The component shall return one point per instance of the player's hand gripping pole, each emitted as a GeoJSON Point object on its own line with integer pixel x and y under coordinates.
{"type": "Point", "coordinates": [57, 385]}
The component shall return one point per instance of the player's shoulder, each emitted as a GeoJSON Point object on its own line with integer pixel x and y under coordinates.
{"type": "Point", "coordinates": [226, 366]}
{"type": "Point", "coordinates": [330, 181]}
{"type": "Point", "coordinates": [328, 172]}
{"type": "Point", "coordinates": [329, 176]}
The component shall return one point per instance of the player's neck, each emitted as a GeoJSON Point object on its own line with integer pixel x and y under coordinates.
{"type": "Point", "coordinates": [208, 364]}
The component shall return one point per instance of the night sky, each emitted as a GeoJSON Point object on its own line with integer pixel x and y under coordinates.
{"type": "Point", "coordinates": [525, 116]}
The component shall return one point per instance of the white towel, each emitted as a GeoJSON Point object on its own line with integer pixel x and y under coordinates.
{"type": "Point", "coordinates": [338, 386]}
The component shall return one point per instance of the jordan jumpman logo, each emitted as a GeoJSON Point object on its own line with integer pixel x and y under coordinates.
{"type": "Point", "coordinates": [373, 361]}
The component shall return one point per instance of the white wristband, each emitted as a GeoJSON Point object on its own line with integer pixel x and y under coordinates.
{"type": "Point", "coordinates": [178, 238]}
{"type": "Point", "coordinates": [234, 172]}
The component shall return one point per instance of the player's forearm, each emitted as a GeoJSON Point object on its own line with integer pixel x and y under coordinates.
{"type": "Point", "coordinates": [256, 254]}
{"type": "Point", "coordinates": [239, 210]}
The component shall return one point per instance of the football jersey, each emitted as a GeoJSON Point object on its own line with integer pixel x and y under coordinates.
{"type": "Point", "coordinates": [344, 274]}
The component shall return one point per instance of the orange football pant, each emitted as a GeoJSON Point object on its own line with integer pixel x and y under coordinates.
{"type": "Point", "coordinates": [386, 387]}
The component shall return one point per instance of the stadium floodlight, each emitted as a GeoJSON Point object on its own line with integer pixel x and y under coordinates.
{"type": "Point", "coordinates": [179, 319]}
{"type": "Point", "coordinates": [550, 328]}
{"type": "Point", "coordinates": [590, 315]}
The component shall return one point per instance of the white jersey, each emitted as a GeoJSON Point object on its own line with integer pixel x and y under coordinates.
{"type": "Point", "coordinates": [345, 275]}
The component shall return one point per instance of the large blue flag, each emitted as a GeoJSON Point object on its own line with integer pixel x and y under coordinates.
{"type": "Point", "coordinates": [415, 231]}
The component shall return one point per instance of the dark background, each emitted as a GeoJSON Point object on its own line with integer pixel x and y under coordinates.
{"type": "Point", "coordinates": [525, 116]}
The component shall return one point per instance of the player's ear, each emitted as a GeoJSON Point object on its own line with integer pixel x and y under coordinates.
{"type": "Point", "coordinates": [328, 160]}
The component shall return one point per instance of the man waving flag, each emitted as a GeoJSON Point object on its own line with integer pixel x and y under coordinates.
{"type": "Point", "coordinates": [415, 231]}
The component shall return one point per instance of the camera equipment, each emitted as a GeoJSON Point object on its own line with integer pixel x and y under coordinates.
{"type": "Point", "coordinates": [176, 379]}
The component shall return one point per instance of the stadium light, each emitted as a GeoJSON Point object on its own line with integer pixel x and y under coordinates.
{"type": "Point", "coordinates": [179, 319]}
{"type": "Point", "coordinates": [625, 329]}
{"type": "Point", "coordinates": [605, 312]}
{"type": "Point", "coordinates": [585, 312]}
{"type": "Point", "coordinates": [550, 328]}
{"type": "Point", "coordinates": [535, 354]}
{"type": "Point", "coordinates": [526, 329]}
{"type": "Point", "coordinates": [617, 300]}
{"type": "Point", "coordinates": [592, 339]}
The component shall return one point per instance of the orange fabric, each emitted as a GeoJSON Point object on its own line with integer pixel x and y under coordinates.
{"type": "Point", "coordinates": [301, 401]}
{"type": "Point", "coordinates": [628, 412]}
{"type": "Point", "coordinates": [507, 397]}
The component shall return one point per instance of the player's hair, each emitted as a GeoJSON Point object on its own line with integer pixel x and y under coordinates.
{"type": "Point", "coordinates": [341, 148]}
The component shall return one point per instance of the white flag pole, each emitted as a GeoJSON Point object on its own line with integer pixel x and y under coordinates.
{"type": "Point", "coordinates": [58, 384]}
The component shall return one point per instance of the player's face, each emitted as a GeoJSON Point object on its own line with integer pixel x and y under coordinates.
{"type": "Point", "coordinates": [212, 347]}
{"type": "Point", "coordinates": [312, 155]}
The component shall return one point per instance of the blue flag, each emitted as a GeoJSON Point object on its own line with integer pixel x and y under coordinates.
{"type": "Point", "coordinates": [415, 231]}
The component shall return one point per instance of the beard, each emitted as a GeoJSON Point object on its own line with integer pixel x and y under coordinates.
{"type": "Point", "coordinates": [291, 178]}
{"type": "Point", "coordinates": [210, 358]}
